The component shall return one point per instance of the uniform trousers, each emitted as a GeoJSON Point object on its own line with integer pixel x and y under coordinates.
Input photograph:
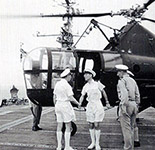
{"type": "Point", "coordinates": [37, 110]}
{"type": "Point", "coordinates": [127, 121]}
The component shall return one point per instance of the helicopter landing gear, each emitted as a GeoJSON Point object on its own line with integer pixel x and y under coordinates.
{"type": "Point", "coordinates": [73, 128]}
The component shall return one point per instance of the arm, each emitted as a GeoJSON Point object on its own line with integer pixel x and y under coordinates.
{"type": "Point", "coordinates": [72, 99]}
{"type": "Point", "coordinates": [54, 99]}
{"type": "Point", "coordinates": [137, 96]}
{"type": "Point", "coordinates": [123, 93]}
{"type": "Point", "coordinates": [101, 88]}
{"type": "Point", "coordinates": [105, 96]}
{"type": "Point", "coordinates": [81, 99]}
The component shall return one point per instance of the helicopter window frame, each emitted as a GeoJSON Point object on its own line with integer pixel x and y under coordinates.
{"type": "Point", "coordinates": [57, 64]}
{"type": "Point", "coordinates": [85, 63]}
{"type": "Point", "coordinates": [64, 61]}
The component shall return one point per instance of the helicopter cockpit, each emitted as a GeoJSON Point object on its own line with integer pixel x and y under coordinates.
{"type": "Point", "coordinates": [42, 68]}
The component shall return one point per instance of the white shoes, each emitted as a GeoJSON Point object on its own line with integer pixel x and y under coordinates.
{"type": "Point", "coordinates": [98, 147]}
{"type": "Point", "coordinates": [70, 148]}
{"type": "Point", "coordinates": [91, 146]}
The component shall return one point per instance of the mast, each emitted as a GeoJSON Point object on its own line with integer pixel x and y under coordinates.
{"type": "Point", "coordinates": [66, 38]}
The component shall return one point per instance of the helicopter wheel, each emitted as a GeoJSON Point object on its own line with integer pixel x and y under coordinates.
{"type": "Point", "coordinates": [73, 128]}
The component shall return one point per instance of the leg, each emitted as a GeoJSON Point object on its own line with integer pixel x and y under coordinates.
{"type": "Point", "coordinates": [39, 113]}
{"type": "Point", "coordinates": [97, 135]}
{"type": "Point", "coordinates": [92, 135]}
{"type": "Point", "coordinates": [59, 135]}
{"type": "Point", "coordinates": [67, 136]}
{"type": "Point", "coordinates": [126, 130]}
{"type": "Point", "coordinates": [34, 118]}
{"type": "Point", "coordinates": [136, 134]}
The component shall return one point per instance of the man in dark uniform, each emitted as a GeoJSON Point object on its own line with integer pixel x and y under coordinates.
{"type": "Point", "coordinates": [36, 109]}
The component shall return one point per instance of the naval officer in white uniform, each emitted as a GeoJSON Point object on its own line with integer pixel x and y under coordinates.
{"type": "Point", "coordinates": [63, 95]}
{"type": "Point", "coordinates": [94, 110]}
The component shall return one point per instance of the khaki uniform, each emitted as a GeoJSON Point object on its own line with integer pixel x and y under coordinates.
{"type": "Point", "coordinates": [129, 97]}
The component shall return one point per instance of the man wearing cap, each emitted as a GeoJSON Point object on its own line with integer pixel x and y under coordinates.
{"type": "Point", "coordinates": [128, 94]}
{"type": "Point", "coordinates": [94, 110]}
{"type": "Point", "coordinates": [63, 94]}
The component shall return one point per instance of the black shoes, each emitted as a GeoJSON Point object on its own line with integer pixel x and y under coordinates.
{"type": "Point", "coordinates": [39, 128]}
{"type": "Point", "coordinates": [136, 144]}
{"type": "Point", "coordinates": [36, 128]}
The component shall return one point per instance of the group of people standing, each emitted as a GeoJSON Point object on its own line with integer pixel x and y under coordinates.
{"type": "Point", "coordinates": [128, 95]}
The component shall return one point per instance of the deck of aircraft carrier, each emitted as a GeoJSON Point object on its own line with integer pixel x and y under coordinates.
{"type": "Point", "coordinates": [16, 133]}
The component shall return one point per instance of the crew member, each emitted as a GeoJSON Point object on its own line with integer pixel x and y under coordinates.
{"type": "Point", "coordinates": [63, 95]}
{"type": "Point", "coordinates": [94, 110]}
{"type": "Point", "coordinates": [36, 109]}
{"type": "Point", "coordinates": [128, 94]}
{"type": "Point", "coordinates": [136, 135]}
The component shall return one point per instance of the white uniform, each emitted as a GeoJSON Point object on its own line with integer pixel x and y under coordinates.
{"type": "Point", "coordinates": [63, 108]}
{"type": "Point", "coordinates": [94, 110]}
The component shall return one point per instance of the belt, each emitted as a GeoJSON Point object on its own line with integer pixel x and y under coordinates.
{"type": "Point", "coordinates": [63, 101]}
{"type": "Point", "coordinates": [131, 100]}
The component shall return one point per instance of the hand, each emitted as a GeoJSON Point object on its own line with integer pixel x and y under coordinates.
{"type": "Point", "coordinates": [31, 108]}
{"type": "Point", "coordinates": [79, 106]}
{"type": "Point", "coordinates": [108, 105]}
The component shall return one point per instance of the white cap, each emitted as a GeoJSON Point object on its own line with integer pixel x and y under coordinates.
{"type": "Point", "coordinates": [130, 73]}
{"type": "Point", "coordinates": [90, 71]}
{"type": "Point", "coordinates": [121, 67]}
{"type": "Point", "coordinates": [65, 73]}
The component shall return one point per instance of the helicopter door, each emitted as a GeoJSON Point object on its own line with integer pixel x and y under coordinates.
{"type": "Point", "coordinates": [91, 60]}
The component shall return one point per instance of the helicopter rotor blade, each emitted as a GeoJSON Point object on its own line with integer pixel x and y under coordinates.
{"type": "Point", "coordinates": [79, 15]}
{"type": "Point", "coordinates": [56, 15]}
{"type": "Point", "coordinates": [11, 16]}
{"type": "Point", "coordinates": [148, 19]}
{"type": "Point", "coordinates": [148, 3]}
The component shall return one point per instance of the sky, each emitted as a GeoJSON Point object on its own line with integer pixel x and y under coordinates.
{"type": "Point", "coordinates": [14, 31]}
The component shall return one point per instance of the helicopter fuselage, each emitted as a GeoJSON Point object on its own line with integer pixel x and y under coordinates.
{"type": "Point", "coordinates": [135, 48]}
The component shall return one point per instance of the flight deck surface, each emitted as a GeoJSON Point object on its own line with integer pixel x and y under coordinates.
{"type": "Point", "coordinates": [16, 132]}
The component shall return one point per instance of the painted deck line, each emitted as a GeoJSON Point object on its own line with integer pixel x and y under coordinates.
{"type": "Point", "coordinates": [83, 132]}
{"type": "Point", "coordinates": [22, 120]}
{"type": "Point", "coordinates": [51, 147]}
{"type": "Point", "coordinates": [5, 112]}
{"type": "Point", "coordinates": [46, 146]}
{"type": "Point", "coordinates": [27, 145]}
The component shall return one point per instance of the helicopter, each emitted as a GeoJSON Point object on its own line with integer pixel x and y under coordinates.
{"type": "Point", "coordinates": [132, 45]}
